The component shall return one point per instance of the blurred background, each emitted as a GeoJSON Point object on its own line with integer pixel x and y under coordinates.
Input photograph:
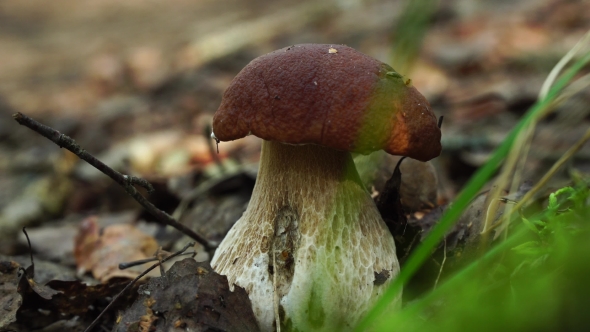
{"type": "Point", "coordinates": [136, 83]}
{"type": "Point", "coordinates": [112, 70]}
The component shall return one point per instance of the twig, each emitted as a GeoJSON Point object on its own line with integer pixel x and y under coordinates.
{"type": "Point", "coordinates": [32, 270]}
{"type": "Point", "coordinates": [441, 265]}
{"type": "Point", "coordinates": [133, 283]}
{"type": "Point", "coordinates": [126, 265]}
{"type": "Point", "coordinates": [127, 182]}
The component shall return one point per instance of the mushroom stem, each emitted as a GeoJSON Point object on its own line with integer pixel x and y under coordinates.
{"type": "Point", "coordinates": [312, 233]}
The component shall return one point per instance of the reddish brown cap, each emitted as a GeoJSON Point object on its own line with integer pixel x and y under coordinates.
{"type": "Point", "coordinates": [330, 95]}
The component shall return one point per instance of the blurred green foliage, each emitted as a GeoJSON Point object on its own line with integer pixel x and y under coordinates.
{"type": "Point", "coordinates": [480, 178]}
{"type": "Point", "coordinates": [409, 32]}
{"type": "Point", "coordinates": [536, 280]}
{"type": "Point", "coordinates": [539, 281]}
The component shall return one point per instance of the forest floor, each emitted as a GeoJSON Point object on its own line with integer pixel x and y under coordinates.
{"type": "Point", "coordinates": [136, 83]}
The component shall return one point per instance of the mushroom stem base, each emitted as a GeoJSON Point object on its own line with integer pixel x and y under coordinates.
{"type": "Point", "coordinates": [310, 242]}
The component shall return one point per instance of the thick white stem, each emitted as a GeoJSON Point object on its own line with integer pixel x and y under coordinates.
{"type": "Point", "coordinates": [313, 233]}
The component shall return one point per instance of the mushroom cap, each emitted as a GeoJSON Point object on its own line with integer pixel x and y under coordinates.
{"type": "Point", "coordinates": [329, 95]}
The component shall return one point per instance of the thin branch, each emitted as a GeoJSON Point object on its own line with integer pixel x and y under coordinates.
{"type": "Point", "coordinates": [30, 253]}
{"type": "Point", "coordinates": [132, 282]}
{"type": "Point", "coordinates": [127, 182]}
{"type": "Point", "coordinates": [126, 265]}
{"type": "Point", "coordinates": [442, 265]}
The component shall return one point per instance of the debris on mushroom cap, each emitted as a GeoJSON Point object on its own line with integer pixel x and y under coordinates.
{"type": "Point", "coordinates": [342, 99]}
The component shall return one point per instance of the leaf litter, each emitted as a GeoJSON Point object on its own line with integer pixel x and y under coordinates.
{"type": "Point", "coordinates": [481, 67]}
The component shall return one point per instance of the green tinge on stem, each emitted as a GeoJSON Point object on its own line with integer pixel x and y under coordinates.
{"type": "Point", "coordinates": [471, 189]}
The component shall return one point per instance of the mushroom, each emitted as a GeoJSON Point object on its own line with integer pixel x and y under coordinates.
{"type": "Point", "coordinates": [311, 248]}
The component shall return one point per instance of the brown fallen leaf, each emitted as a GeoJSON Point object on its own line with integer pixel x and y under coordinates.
{"type": "Point", "coordinates": [27, 279]}
{"type": "Point", "coordinates": [148, 68]}
{"type": "Point", "coordinates": [57, 299]}
{"type": "Point", "coordinates": [389, 204]}
{"type": "Point", "coordinates": [76, 297]}
{"type": "Point", "coordinates": [44, 292]}
{"type": "Point", "coordinates": [418, 187]}
{"type": "Point", "coordinates": [10, 299]}
{"type": "Point", "coordinates": [71, 298]}
{"type": "Point", "coordinates": [191, 297]}
{"type": "Point", "coordinates": [101, 252]}
{"type": "Point", "coordinates": [105, 73]}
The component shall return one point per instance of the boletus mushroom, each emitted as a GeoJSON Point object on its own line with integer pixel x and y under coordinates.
{"type": "Point", "coordinates": [311, 249]}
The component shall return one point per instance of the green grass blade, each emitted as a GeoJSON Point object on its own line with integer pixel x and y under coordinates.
{"type": "Point", "coordinates": [411, 310]}
{"type": "Point", "coordinates": [471, 189]}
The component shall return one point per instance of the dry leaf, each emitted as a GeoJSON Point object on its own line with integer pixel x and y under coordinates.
{"type": "Point", "coordinates": [191, 297]}
{"type": "Point", "coordinates": [102, 252]}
